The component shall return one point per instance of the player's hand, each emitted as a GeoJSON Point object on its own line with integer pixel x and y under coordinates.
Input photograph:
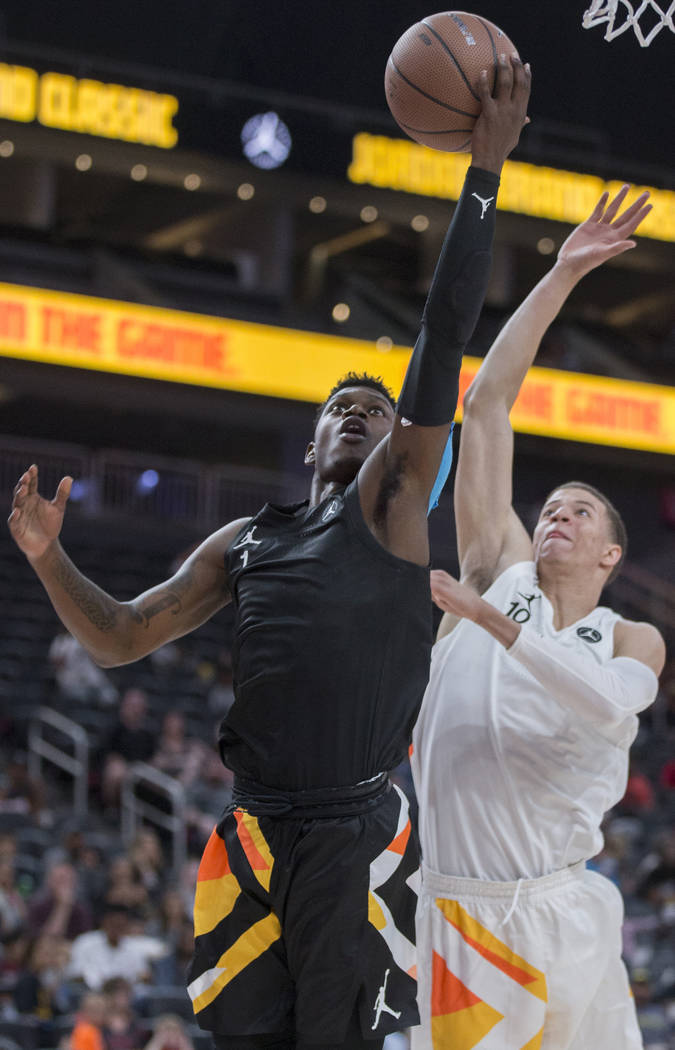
{"type": "Point", "coordinates": [36, 522]}
{"type": "Point", "coordinates": [605, 232]}
{"type": "Point", "coordinates": [452, 596]}
{"type": "Point", "coordinates": [503, 113]}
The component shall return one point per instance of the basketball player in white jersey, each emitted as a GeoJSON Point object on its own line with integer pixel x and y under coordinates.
{"type": "Point", "coordinates": [522, 741]}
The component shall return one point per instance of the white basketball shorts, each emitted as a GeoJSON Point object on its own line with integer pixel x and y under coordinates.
{"type": "Point", "coordinates": [528, 965]}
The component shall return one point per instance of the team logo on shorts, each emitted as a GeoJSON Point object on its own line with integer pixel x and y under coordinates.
{"type": "Point", "coordinates": [589, 634]}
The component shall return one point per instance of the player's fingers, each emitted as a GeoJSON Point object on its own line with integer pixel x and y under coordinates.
{"type": "Point", "coordinates": [484, 93]}
{"type": "Point", "coordinates": [625, 229]}
{"type": "Point", "coordinates": [504, 80]}
{"type": "Point", "coordinates": [599, 208]}
{"type": "Point", "coordinates": [31, 476]}
{"type": "Point", "coordinates": [520, 79]}
{"type": "Point", "coordinates": [63, 492]}
{"type": "Point", "coordinates": [614, 205]}
{"type": "Point", "coordinates": [628, 217]}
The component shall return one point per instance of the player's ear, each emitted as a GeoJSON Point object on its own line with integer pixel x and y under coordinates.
{"type": "Point", "coordinates": [611, 556]}
{"type": "Point", "coordinates": [310, 456]}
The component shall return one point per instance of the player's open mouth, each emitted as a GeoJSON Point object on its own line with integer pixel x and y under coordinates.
{"type": "Point", "coordinates": [555, 535]}
{"type": "Point", "coordinates": [353, 430]}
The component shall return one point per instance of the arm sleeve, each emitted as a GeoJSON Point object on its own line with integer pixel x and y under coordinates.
{"type": "Point", "coordinates": [604, 695]}
{"type": "Point", "coordinates": [431, 386]}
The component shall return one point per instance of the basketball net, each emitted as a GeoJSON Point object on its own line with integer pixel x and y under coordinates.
{"type": "Point", "coordinates": [620, 15]}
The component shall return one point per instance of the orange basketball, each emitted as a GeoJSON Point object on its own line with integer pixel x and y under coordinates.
{"type": "Point", "coordinates": [432, 77]}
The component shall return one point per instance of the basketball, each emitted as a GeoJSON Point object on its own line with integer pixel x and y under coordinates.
{"type": "Point", "coordinates": [432, 77]}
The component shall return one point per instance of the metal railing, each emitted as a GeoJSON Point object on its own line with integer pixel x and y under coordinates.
{"type": "Point", "coordinates": [136, 808]}
{"type": "Point", "coordinates": [114, 482]}
{"type": "Point", "coordinates": [41, 749]}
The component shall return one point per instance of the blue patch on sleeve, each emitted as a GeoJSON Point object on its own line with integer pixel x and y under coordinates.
{"type": "Point", "coordinates": [443, 473]}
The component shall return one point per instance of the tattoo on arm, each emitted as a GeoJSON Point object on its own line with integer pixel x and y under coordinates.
{"type": "Point", "coordinates": [168, 601]}
{"type": "Point", "coordinates": [97, 606]}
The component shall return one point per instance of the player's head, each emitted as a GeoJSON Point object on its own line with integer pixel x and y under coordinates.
{"type": "Point", "coordinates": [351, 422]}
{"type": "Point", "coordinates": [580, 528]}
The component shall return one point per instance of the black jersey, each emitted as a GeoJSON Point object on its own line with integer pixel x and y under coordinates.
{"type": "Point", "coordinates": [331, 648]}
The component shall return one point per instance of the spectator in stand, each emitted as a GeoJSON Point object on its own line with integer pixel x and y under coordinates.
{"type": "Point", "coordinates": [170, 1034]}
{"type": "Point", "coordinates": [122, 1028]}
{"type": "Point", "coordinates": [177, 754]}
{"type": "Point", "coordinates": [88, 1031]}
{"type": "Point", "coordinates": [57, 908]}
{"type": "Point", "coordinates": [12, 906]}
{"type": "Point", "coordinates": [656, 879]}
{"type": "Point", "coordinates": [168, 922]}
{"type": "Point", "coordinates": [171, 969]}
{"type": "Point", "coordinates": [42, 989]}
{"type": "Point", "coordinates": [111, 951]}
{"type": "Point", "coordinates": [220, 696]}
{"type": "Point", "coordinates": [125, 887]}
{"type": "Point", "coordinates": [20, 792]}
{"type": "Point", "coordinates": [147, 858]}
{"type": "Point", "coordinates": [206, 799]}
{"type": "Point", "coordinates": [77, 677]}
{"type": "Point", "coordinates": [639, 797]}
{"type": "Point", "coordinates": [131, 740]}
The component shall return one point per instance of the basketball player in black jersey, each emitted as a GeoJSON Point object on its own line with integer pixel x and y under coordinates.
{"type": "Point", "coordinates": [304, 913]}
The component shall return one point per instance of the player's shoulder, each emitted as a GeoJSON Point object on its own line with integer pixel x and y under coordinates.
{"type": "Point", "coordinates": [641, 641]}
{"type": "Point", "coordinates": [220, 540]}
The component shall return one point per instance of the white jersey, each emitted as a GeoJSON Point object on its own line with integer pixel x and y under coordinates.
{"type": "Point", "coordinates": [511, 784]}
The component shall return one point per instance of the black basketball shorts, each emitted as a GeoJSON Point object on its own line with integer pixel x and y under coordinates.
{"type": "Point", "coordinates": [300, 923]}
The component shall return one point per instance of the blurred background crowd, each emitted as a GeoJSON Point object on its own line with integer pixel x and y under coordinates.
{"type": "Point", "coordinates": [235, 217]}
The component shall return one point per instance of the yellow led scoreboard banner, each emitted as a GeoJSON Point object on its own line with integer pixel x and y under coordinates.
{"type": "Point", "coordinates": [526, 189]}
{"type": "Point", "coordinates": [109, 336]}
{"type": "Point", "coordinates": [57, 100]}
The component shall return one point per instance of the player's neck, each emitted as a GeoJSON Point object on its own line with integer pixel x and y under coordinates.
{"type": "Point", "coordinates": [322, 489]}
{"type": "Point", "coordinates": [572, 595]}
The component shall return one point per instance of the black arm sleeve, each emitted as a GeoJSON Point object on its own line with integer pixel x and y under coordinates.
{"type": "Point", "coordinates": [431, 386]}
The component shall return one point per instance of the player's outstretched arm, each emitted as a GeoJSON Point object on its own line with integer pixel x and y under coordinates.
{"type": "Point", "coordinates": [602, 694]}
{"type": "Point", "coordinates": [428, 400]}
{"type": "Point", "coordinates": [115, 632]}
{"type": "Point", "coordinates": [490, 536]}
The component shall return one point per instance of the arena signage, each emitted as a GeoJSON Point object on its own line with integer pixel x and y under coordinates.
{"type": "Point", "coordinates": [105, 335]}
{"type": "Point", "coordinates": [526, 189]}
{"type": "Point", "coordinates": [57, 100]}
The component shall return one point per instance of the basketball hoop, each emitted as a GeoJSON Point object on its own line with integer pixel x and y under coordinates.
{"type": "Point", "coordinates": [620, 15]}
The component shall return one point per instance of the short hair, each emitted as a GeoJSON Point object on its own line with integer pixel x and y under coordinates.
{"type": "Point", "coordinates": [617, 528]}
{"type": "Point", "coordinates": [358, 379]}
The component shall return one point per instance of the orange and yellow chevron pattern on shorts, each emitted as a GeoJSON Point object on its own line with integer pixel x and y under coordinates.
{"type": "Point", "coordinates": [301, 923]}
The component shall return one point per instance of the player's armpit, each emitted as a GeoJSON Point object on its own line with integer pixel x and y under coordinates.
{"type": "Point", "coordinates": [641, 641]}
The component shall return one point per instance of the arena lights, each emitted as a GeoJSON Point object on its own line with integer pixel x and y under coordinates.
{"type": "Point", "coordinates": [83, 162]}
{"type": "Point", "coordinates": [545, 246]}
{"type": "Point", "coordinates": [245, 191]}
{"type": "Point", "coordinates": [341, 312]}
{"type": "Point", "coordinates": [384, 343]}
{"type": "Point", "coordinates": [368, 213]}
{"type": "Point", "coordinates": [6, 148]}
{"type": "Point", "coordinates": [192, 181]}
{"type": "Point", "coordinates": [147, 482]}
{"type": "Point", "coordinates": [138, 172]}
{"type": "Point", "coordinates": [419, 223]}
{"type": "Point", "coordinates": [317, 205]}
